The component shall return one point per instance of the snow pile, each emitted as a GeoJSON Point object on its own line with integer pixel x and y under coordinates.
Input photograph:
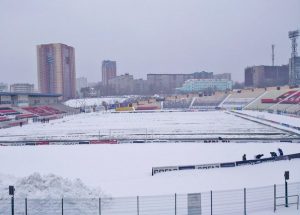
{"type": "Point", "coordinates": [46, 186]}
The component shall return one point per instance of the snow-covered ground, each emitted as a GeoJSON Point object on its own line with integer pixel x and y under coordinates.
{"type": "Point", "coordinates": [85, 171]}
{"type": "Point", "coordinates": [142, 125]}
{"type": "Point", "coordinates": [293, 121]}
{"type": "Point", "coordinates": [125, 170]}
{"type": "Point", "coordinates": [76, 103]}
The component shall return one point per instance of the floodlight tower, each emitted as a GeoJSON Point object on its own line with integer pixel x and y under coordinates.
{"type": "Point", "coordinates": [293, 36]}
{"type": "Point", "coordinates": [294, 65]}
{"type": "Point", "coordinates": [273, 54]}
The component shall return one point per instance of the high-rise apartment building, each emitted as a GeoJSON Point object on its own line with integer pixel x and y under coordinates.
{"type": "Point", "coordinates": [56, 69]}
{"type": "Point", "coordinates": [109, 71]}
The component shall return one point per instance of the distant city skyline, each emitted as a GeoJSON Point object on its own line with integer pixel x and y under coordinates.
{"type": "Point", "coordinates": [152, 37]}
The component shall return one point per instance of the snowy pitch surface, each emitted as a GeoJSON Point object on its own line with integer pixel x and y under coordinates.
{"type": "Point", "coordinates": [293, 121]}
{"type": "Point", "coordinates": [142, 125]}
{"type": "Point", "coordinates": [125, 170]}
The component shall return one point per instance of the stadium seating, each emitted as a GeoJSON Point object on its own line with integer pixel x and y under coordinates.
{"type": "Point", "coordinates": [3, 119]}
{"type": "Point", "coordinates": [279, 101]}
{"type": "Point", "coordinates": [145, 107]}
{"type": "Point", "coordinates": [25, 116]}
{"type": "Point", "coordinates": [38, 111]}
{"type": "Point", "coordinates": [43, 110]}
{"type": "Point", "coordinates": [270, 94]}
{"type": "Point", "coordinates": [212, 101]}
{"type": "Point", "coordinates": [51, 110]}
{"type": "Point", "coordinates": [8, 111]}
{"type": "Point", "coordinates": [293, 109]}
{"type": "Point", "coordinates": [239, 99]}
{"type": "Point", "coordinates": [181, 103]}
{"type": "Point", "coordinates": [65, 109]}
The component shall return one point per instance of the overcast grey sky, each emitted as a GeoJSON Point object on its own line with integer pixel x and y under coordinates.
{"type": "Point", "coordinates": [147, 36]}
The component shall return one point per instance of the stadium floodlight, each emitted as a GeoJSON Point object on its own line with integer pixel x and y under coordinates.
{"type": "Point", "coordinates": [293, 34]}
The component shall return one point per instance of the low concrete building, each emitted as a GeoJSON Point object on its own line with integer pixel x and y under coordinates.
{"type": "Point", "coordinates": [28, 99]}
{"type": "Point", "coordinates": [201, 85]}
{"type": "Point", "coordinates": [266, 76]}
{"type": "Point", "coordinates": [22, 88]}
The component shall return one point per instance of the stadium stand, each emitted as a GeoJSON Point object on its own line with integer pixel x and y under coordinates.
{"type": "Point", "coordinates": [64, 108]}
{"type": "Point", "coordinates": [294, 109]}
{"type": "Point", "coordinates": [177, 103]}
{"type": "Point", "coordinates": [43, 110]}
{"type": "Point", "coordinates": [208, 102]}
{"type": "Point", "coordinates": [25, 116]}
{"type": "Point", "coordinates": [18, 116]}
{"type": "Point", "coordinates": [8, 111]}
{"type": "Point", "coordinates": [281, 101]}
{"type": "Point", "coordinates": [37, 111]}
{"type": "Point", "coordinates": [258, 103]}
{"type": "Point", "coordinates": [3, 119]}
{"type": "Point", "coordinates": [145, 107]}
{"type": "Point", "coordinates": [286, 102]}
{"type": "Point", "coordinates": [240, 98]}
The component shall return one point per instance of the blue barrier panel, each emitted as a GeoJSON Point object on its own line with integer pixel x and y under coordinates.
{"type": "Point", "coordinates": [186, 167]}
{"type": "Point", "coordinates": [252, 162]}
{"type": "Point", "coordinates": [293, 156]}
{"type": "Point", "coordinates": [228, 164]}
{"type": "Point", "coordinates": [224, 165]}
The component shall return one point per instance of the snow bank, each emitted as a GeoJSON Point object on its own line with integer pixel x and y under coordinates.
{"type": "Point", "coordinates": [48, 186]}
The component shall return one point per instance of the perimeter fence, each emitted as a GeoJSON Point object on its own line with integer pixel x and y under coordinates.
{"type": "Point", "coordinates": [240, 201]}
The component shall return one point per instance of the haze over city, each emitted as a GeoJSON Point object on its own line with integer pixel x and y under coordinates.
{"type": "Point", "coordinates": [147, 36]}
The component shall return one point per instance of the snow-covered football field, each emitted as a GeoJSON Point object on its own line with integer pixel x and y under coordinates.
{"type": "Point", "coordinates": [153, 125]}
{"type": "Point", "coordinates": [120, 170]}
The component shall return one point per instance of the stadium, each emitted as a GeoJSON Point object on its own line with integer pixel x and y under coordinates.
{"type": "Point", "coordinates": [179, 154]}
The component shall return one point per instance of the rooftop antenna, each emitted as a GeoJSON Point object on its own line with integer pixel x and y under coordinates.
{"type": "Point", "coordinates": [273, 54]}
{"type": "Point", "coordinates": [293, 36]}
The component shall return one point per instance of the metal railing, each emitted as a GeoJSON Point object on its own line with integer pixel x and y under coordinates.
{"type": "Point", "coordinates": [239, 201]}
